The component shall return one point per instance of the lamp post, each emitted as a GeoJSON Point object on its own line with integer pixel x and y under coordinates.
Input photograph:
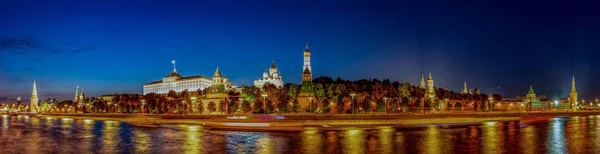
{"type": "Point", "coordinates": [108, 107]}
{"type": "Point", "coordinates": [555, 105]}
{"type": "Point", "coordinates": [193, 104]}
{"type": "Point", "coordinates": [491, 104]}
{"type": "Point", "coordinates": [352, 101]}
{"type": "Point", "coordinates": [385, 103]}
{"type": "Point", "coordinates": [240, 105]}
{"type": "Point", "coordinates": [183, 107]}
{"type": "Point", "coordinates": [310, 108]}
{"type": "Point", "coordinates": [143, 103]}
{"type": "Point", "coordinates": [264, 103]}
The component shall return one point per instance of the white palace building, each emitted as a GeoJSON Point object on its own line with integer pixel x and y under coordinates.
{"type": "Point", "coordinates": [174, 81]}
{"type": "Point", "coordinates": [273, 77]}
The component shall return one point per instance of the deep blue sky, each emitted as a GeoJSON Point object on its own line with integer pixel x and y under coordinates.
{"type": "Point", "coordinates": [115, 47]}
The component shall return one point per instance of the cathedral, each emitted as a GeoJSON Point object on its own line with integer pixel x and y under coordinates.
{"type": "Point", "coordinates": [428, 86]}
{"type": "Point", "coordinates": [273, 77]}
{"type": "Point", "coordinates": [79, 97]}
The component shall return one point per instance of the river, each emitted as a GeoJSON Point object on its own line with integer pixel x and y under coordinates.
{"type": "Point", "coordinates": [22, 134]}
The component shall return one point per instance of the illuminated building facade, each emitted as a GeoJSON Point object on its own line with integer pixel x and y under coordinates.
{"type": "Point", "coordinates": [174, 81]}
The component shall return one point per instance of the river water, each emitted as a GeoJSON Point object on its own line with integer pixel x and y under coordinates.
{"type": "Point", "coordinates": [580, 134]}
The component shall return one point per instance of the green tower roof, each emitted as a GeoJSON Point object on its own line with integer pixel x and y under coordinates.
{"type": "Point", "coordinates": [530, 90]}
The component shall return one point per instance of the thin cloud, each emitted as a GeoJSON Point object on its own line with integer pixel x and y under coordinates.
{"type": "Point", "coordinates": [85, 48]}
{"type": "Point", "coordinates": [25, 43]}
{"type": "Point", "coordinates": [35, 60]}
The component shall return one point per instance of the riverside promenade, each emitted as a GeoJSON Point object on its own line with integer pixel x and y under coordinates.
{"type": "Point", "coordinates": [299, 122]}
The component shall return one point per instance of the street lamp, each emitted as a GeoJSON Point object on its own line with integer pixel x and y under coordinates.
{"type": "Point", "coordinates": [310, 104]}
{"type": "Point", "coordinates": [264, 103]}
{"type": "Point", "coordinates": [555, 105]}
{"type": "Point", "coordinates": [386, 105]}
{"type": "Point", "coordinates": [183, 108]}
{"type": "Point", "coordinates": [240, 105]}
{"type": "Point", "coordinates": [491, 104]}
{"type": "Point", "coordinates": [143, 103]}
{"type": "Point", "coordinates": [352, 101]}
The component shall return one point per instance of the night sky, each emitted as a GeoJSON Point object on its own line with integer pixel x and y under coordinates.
{"type": "Point", "coordinates": [116, 47]}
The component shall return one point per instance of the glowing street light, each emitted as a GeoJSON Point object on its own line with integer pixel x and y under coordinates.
{"type": "Point", "coordinates": [352, 101]}
{"type": "Point", "coordinates": [386, 105]}
{"type": "Point", "coordinates": [310, 104]}
{"type": "Point", "coordinates": [555, 105]}
{"type": "Point", "coordinates": [264, 103]}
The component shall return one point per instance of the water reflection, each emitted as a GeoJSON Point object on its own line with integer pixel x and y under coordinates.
{"type": "Point", "coordinates": [67, 135]}
{"type": "Point", "coordinates": [312, 141]}
{"type": "Point", "coordinates": [353, 141]}
{"type": "Point", "coordinates": [385, 135]}
{"type": "Point", "coordinates": [491, 133]}
{"type": "Point", "coordinates": [556, 135]}
{"type": "Point", "coordinates": [193, 143]}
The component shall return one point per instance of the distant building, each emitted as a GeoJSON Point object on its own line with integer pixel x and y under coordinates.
{"type": "Point", "coordinates": [273, 76]}
{"type": "Point", "coordinates": [465, 90]}
{"type": "Point", "coordinates": [174, 81]}
{"type": "Point", "coordinates": [430, 91]}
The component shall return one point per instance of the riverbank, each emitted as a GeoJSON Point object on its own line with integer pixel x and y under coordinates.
{"type": "Point", "coordinates": [298, 122]}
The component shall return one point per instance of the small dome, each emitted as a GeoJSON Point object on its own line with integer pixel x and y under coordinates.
{"type": "Point", "coordinates": [174, 74]}
{"type": "Point", "coordinates": [273, 66]}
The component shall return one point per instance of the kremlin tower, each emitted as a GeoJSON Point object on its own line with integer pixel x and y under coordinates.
{"type": "Point", "coordinates": [307, 94]}
{"type": "Point", "coordinates": [34, 98]}
{"type": "Point", "coordinates": [573, 95]}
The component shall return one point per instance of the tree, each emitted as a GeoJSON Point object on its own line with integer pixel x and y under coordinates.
{"type": "Point", "coordinates": [246, 106]}
{"type": "Point", "coordinates": [222, 105]}
{"type": "Point", "coordinates": [212, 107]}
{"type": "Point", "coordinates": [233, 106]}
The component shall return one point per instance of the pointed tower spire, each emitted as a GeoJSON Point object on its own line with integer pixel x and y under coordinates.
{"type": "Point", "coordinates": [34, 98]}
{"type": "Point", "coordinates": [573, 84]}
{"type": "Point", "coordinates": [217, 73]}
{"type": "Point", "coordinates": [531, 90]}
{"type": "Point", "coordinates": [306, 45]}
{"type": "Point", "coordinates": [174, 68]}
{"type": "Point", "coordinates": [430, 78]}
{"type": "Point", "coordinates": [76, 94]}
{"type": "Point", "coordinates": [465, 90]}
{"type": "Point", "coordinates": [423, 81]}
{"type": "Point", "coordinates": [34, 91]}
{"type": "Point", "coordinates": [19, 98]}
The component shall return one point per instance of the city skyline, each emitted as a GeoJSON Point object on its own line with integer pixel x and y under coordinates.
{"type": "Point", "coordinates": [116, 51]}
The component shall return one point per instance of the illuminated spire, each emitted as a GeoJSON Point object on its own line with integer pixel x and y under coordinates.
{"type": "Point", "coordinates": [19, 98]}
{"type": "Point", "coordinates": [465, 90]}
{"type": "Point", "coordinates": [217, 73]}
{"type": "Point", "coordinates": [531, 90]}
{"type": "Point", "coordinates": [34, 91]}
{"type": "Point", "coordinates": [422, 81]}
{"type": "Point", "coordinates": [306, 45]}
{"type": "Point", "coordinates": [76, 93]}
{"type": "Point", "coordinates": [174, 68]}
{"type": "Point", "coordinates": [573, 84]}
{"type": "Point", "coordinates": [430, 78]}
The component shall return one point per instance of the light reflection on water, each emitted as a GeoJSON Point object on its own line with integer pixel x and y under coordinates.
{"type": "Point", "coordinates": [22, 134]}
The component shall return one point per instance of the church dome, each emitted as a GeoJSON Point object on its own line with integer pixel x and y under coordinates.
{"type": "Point", "coordinates": [174, 74]}
{"type": "Point", "coordinates": [273, 66]}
